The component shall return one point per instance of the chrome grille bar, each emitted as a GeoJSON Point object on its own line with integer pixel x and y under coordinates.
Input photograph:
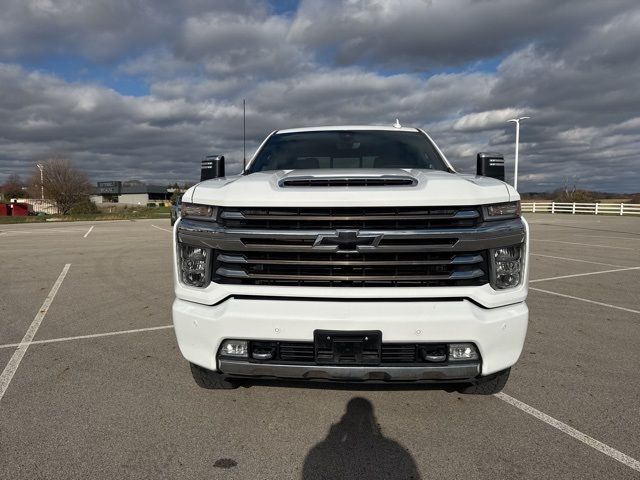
{"type": "Point", "coordinates": [242, 259]}
{"type": "Point", "coordinates": [387, 218]}
{"type": "Point", "coordinates": [239, 215]}
{"type": "Point", "coordinates": [465, 275]}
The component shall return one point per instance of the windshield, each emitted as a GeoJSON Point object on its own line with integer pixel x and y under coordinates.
{"type": "Point", "coordinates": [347, 149]}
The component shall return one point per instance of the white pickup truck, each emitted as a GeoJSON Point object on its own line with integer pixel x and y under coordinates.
{"type": "Point", "coordinates": [352, 253]}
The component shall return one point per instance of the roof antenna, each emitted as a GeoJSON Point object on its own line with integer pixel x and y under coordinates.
{"type": "Point", "coordinates": [397, 124]}
{"type": "Point", "coordinates": [244, 135]}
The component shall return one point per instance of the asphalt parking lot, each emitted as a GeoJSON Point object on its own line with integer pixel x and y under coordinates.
{"type": "Point", "coordinates": [93, 384]}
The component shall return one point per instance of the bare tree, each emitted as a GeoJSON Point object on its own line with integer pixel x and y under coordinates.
{"type": "Point", "coordinates": [63, 183]}
{"type": "Point", "coordinates": [12, 188]}
{"type": "Point", "coordinates": [571, 193]}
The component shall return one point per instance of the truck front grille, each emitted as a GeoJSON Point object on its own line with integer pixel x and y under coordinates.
{"type": "Point", "coordinates": [336, 269]}
{"type": "Point", "coordinates": [296, 352]}
{"type": "Point", "coordinates": [304, 352]}
{"type": "Point", "coordinates": [350, 247]}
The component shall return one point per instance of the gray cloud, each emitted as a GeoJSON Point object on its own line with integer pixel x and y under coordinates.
{"type": "Point", "coordinates": [420, 35]}
{"type": "Point", "coordinates": [231, 44]}
{"type": "Point", "coordinates": [573, 67]}
{"type": "Point", "coordinates": [102, 30]}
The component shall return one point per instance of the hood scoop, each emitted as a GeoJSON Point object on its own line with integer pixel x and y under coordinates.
{"type": "Point", "coordinates": [348, 181]}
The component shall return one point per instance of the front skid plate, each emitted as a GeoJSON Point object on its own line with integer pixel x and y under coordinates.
{"type": "Point", "coordinates": [354, 373]}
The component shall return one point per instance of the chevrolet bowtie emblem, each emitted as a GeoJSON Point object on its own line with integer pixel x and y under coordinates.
{"type": "Point", "coordinates": [347, 241]}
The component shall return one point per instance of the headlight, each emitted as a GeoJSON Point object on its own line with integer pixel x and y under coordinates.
{"type": "Point", "coordinates": [194, 210]}
{"type": "Point", "coordinates": [501, 211]}
{"type": "Point", "coordinates": [507, 266]}
{"type": "Point", "coordinates": [194, 265]}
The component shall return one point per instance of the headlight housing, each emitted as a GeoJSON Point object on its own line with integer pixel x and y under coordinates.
{"type": "Point", "coordinates": [507, 266]}
{"type": "Point", "coordinates": [501, 211]}
{"type": "Point", "coordinates": [194, 265]}
{"type": "Point", "coordinates": [198, 211]}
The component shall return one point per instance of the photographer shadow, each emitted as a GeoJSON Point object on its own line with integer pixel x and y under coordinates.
{"type": "Point", "coordinates": [356, 448]}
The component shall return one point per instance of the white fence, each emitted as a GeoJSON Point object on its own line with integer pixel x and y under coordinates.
{"type": "Point", "coordinates": [39, 206]}
{"type": "Point", "coordinates": [585, 208]}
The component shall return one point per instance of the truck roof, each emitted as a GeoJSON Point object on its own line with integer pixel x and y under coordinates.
{"type": "Point", "coordinates": [347, 127]}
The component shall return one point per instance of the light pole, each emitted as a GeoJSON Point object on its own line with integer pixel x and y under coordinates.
{"type": "Point", "coordinates": [515, 174]}
{"type": "Point", "coordinates": [41, 167]}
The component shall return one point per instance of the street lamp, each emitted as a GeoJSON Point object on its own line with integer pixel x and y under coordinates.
{"type": "Point", "coordinates": [41, 167]}
{"type": "Point", "coordinates": [515, 174]}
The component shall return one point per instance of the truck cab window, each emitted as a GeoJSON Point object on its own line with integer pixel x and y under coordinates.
{"type": "Point", "coordinates": [347, 149]}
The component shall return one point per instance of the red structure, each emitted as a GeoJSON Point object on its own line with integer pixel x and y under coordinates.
{"type": "Point", "coordinates": [19, 209]}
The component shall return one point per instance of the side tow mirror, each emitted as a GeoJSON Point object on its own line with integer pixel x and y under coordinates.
{"type": "Point", "coordinates": [491, 165]}
{"type": "Point", "coordinates": [212, 167]}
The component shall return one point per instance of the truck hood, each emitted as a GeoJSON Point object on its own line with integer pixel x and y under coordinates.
{"type": "Point", "coordinates": [426, 187]}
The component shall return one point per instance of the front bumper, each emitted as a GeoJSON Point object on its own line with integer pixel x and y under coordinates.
{"type": "Point", "coordinates": [497, 332]}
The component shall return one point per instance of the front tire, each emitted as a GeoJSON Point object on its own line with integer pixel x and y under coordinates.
{"type": "Point", "coordinates": [488, 385]}
{"type": "Point", "coordinates": [211, 380]}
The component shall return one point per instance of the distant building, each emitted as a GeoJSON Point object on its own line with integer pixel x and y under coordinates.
{"type": "Point", "coordinates": [132, 193]}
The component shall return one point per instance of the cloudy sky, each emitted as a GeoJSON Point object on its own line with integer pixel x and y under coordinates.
{"type": "Point", "coordinates": [144, 89]}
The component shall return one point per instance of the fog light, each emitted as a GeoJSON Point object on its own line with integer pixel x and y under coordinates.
{"type": "Point", "coordinates": [462, 351]}
{"type": "Point", "coordinates": [235, 348]}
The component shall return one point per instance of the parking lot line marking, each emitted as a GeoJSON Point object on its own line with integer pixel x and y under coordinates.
{"type": "Point", "coordinates": [572, 432]}
{"type": "Point", "coordinates": [584, 274]}
{"type": "Point", "coordinates": [16, 358]}
{"type": "Point", "coordinates": [42, 231]}
{"type": "Point", "coordinates": [164, 229]}
{"type": "Point", "coordinates": [93, 335]}
{"type": "Point", "coordinates": [605, 236]}
{"type": "Point", "coordinates": [586, 244]}
{"type": "Point", "coordinates": [578, 260]}
{"type": "Point", "coordinates": [575, 227]}
{"type": "Point", "coordinates": [585, 300]}
{"type": "Point", "coordinates": [88, 232]}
